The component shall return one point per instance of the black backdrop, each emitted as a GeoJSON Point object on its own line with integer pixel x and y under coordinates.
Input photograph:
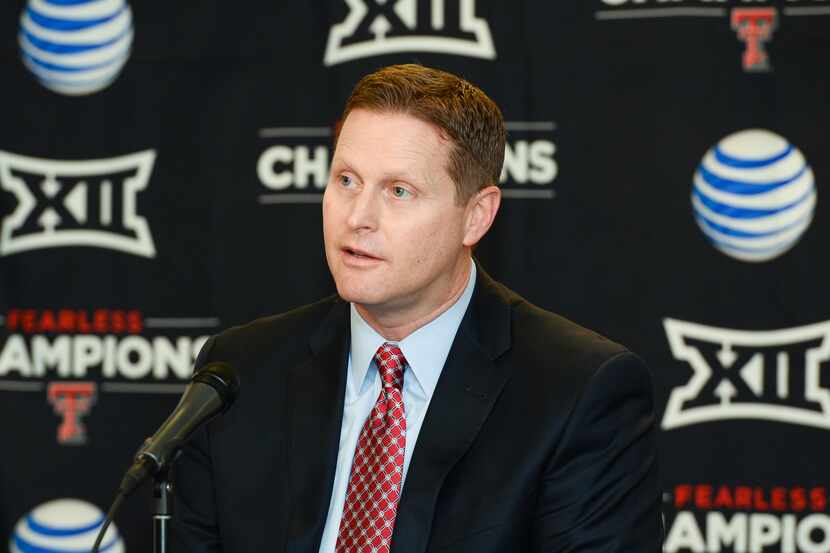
{"type": "Point", "coordinates": [183, 198]}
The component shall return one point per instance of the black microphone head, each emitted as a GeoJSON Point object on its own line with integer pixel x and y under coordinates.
{"type": "Point", "coordinates": [223, 378]}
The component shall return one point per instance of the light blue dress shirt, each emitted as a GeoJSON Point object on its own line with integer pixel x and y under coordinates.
{"type": "Point", "coordinates": [425, 350]}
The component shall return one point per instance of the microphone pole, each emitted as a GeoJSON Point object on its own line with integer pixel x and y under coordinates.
{"type": "Point", "coordinates": [212, 390]}
{"type": "Point", "coordinates": [162, 510]}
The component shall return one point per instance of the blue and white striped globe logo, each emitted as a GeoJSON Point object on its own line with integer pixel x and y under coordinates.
{"type": "Point", "coordinates": [754, 195]}
{"type": "Point", "coordinates": [76, 47]}
{"type": "Point", "coordinates": [63, 526]}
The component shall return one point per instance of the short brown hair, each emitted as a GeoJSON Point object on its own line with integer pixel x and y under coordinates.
{"type": "Point", "coordinates": [471, 120]}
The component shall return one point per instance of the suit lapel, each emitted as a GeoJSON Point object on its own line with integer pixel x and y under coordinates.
{"type": "Point", "coordinates": [317, 388]}
{"type": "Point", "coordinates": [469, 385]}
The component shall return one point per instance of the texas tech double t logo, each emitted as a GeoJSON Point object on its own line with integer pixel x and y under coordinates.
{"type": "Point", "coordinates": [738, 374]}
{"type": "Point", "coordinates": [376, 27]}
{"type": "Point", "coordinates": [755, 27]}
{"type": "Point", "coordinates": [76, 203]}
{"type": "Point", "coordinates": [71, 400]}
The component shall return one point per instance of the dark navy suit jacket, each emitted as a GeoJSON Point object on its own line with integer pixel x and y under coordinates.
{"type": "Point", "coordinates": [540, 436]}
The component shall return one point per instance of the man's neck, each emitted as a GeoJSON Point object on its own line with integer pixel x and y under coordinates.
{"type": "Point", "coordinates": [395, 325]}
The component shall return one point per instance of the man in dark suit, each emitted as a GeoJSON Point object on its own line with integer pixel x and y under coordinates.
{"type": "Point", "coordinates": [425, 407]}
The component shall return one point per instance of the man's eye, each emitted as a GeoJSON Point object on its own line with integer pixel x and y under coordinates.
{"type": "Point", "coordinates": [401, 192]}
{"type": "Point", "coordinates": [346, 180]}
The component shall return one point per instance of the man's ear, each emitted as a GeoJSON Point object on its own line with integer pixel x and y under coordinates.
{"type": "Point", "coordinates": [480, 213]}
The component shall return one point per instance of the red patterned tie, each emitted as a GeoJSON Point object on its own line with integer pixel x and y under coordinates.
{"type": "Point", "coordinates": [377, 469]}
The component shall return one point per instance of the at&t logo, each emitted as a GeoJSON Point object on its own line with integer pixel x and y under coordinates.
{"type": "Point", "coordinates": [76, 203]}
{"type": "Point", "coordinates": [76, 47]}
{"type": "Point", "coordinates": [63, 525]}
{"type": "Point", "coordinates": [377, 27]}
{"type": "Point", "coordinates": [753, 195]}
{"type": "Point", "coordinates": [737, 374]}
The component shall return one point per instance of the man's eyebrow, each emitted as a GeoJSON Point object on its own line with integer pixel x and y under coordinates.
{"type": "Point", "coordinates": [340, 163]}
{"type": "Point", "coordinates": [401, 175]}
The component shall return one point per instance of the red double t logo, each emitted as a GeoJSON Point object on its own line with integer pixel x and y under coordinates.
{"type": "Point", "coordinates": [71, 400]}
{"type": "Point", "coordinates": [755, 27]}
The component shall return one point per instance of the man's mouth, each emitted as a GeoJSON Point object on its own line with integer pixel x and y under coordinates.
{"type": "Point", "coordinates": [360, 254]}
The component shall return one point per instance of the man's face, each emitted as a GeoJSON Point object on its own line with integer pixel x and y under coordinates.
{"type": "Point", "coordinates": [393, 230]}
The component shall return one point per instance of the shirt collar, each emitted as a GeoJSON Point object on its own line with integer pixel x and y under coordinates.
{"type": "Point", "coordinates": [426, 349]}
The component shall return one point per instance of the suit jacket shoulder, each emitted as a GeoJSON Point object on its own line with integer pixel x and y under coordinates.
{"type": "Point", "coordinates": [549, 344]}
{"type": "Point", "coordinates": [280, 340]}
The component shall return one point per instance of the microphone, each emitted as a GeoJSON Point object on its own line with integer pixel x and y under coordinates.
{"type": "Point", "coordinates": [212, 390]}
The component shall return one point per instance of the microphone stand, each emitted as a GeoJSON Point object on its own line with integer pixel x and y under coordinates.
{"type": "Point", "coordinates": [212, 390]}
{"type": "Point", "coordinates": [162, 510]}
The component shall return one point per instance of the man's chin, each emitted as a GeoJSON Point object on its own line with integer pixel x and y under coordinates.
{"type": "Point", "coordinates": [361, 295]}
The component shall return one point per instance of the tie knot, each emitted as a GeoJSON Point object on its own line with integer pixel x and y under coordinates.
{"type": "Point", "coordinates": [390, 361]}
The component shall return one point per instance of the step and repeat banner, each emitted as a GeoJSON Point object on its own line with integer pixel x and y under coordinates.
{"type": "Point", "coordinates": [161, 171]}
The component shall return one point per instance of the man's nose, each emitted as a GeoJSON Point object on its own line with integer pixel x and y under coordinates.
{"type": "Point", "coordinates": [364, 205]}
